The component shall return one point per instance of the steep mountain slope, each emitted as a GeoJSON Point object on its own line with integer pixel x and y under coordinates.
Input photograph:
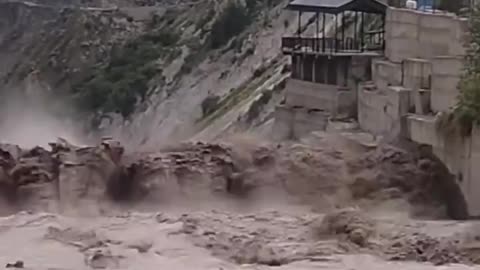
{"type": "Point", "coordinates": [187, 57]}
{"type": "Point", "coordinates": [226, 81]}
{"type": "Point", "coordinates": [56, 43]}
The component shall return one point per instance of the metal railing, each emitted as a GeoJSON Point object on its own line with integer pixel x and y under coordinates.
{"type": "Point", "coordinates": [371, 41]}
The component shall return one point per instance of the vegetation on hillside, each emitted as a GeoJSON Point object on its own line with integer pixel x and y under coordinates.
{"type": "Point", "coordinates": [467, 111]}
{"type": "Point", "coordinates": [452, 6]}
{"type": "Point", "coordinates": [120, 84]}
{"type": "Point", "coordinates": [232, 21]}
{"type": "Point", "coordinates": [123, 81]}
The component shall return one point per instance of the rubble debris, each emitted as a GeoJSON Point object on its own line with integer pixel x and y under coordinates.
{"type": "Point", "coordinates": [17, 264]}
{"type": "Point", "coordinates": [102, 259]}
{"type": "Point", "coordinates": [83, 240]}
{"type": "Point", "coordinates": [424, 248]}
{"type": "Point", "coordinates": [351, 223]}
{"type": "Point", "coordinates": [142, 246]}
{"type": "Point", "coordinates": [245, 240]}
{"type": "Point", "coordinates": [461, 247]}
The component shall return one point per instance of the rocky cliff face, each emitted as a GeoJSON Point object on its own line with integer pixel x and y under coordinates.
{"type": "Point", "coordinates": [57, 44]}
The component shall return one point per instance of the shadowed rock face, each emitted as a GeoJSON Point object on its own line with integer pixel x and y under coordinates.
{"type": "Point", "coordinates": [102, 171]}
{"type": "Point", "coordinates": [18, 24]}
{"type": "Point", "coordinates": [120, 183]}
{"type": "Point", "coordinates": [446, 186]}
{"type": "Point", "coordinates": [40, 167]}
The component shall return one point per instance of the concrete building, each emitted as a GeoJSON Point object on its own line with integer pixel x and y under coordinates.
{"type": "Point", "coordinates": [414, 83]}
{"type": "Point", "coordinates": [395, 86]}
{"type": "Point", "coordinates": [327, 68]}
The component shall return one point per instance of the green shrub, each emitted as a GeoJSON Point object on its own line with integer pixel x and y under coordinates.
{"type": "Point", "coordinates": [165, 38]}
{"type": "Point", "coordinates": [467, 111]}
{"type": "Point", "coordinates": [451, 5]}
{"type": "Point", "coordinates": [204, 20]}
{"type": "Point", "coordinates": [154, 21]}
{"type": "Point", "coordinates": [251, 4]}
{"type": "Point", "coordinates": [259, 71]}
{"type": "Point", "coordinates": [170, 15]}
{"type": "Point", "coordinates": [210, 104]}
{"type": "Point", "coordinates": [257, 106]}
{"type": "Point", "coordinates": [231, 22]}
{"type": "Point", "coordinates": [192, 60]}
{"type": "Point", "coordinates": [120, 84]}
{"type": "Point", "coordinates": [189, 63]}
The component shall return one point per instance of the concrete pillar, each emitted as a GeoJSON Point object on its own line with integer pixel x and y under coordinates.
{"type": "Point", "coordinates": [283, 125]}
{"type": "Point", "coordinates": [302, 62]}
{"type": "Point", "coordinates": [305, 121]}
{"type": "Point", "coordinates": [473, 174]}
{"type": "Point", "coordinates": [446, 74]}
{"type": "Point", "coordinates": [417, 74]}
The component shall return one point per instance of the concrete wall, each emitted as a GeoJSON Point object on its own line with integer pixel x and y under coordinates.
{"type": "Point", "coordinates": [424, 55]}
{"type": "Point", "coordinates": [471, 186]}
{"type": "Point", "coordinates": [461, 155]}
{"type": "Point", "coordinates": [294, 123]}
{"type": "Point", "coordinates": [446, 73]}
{"type": "Point", "coordinates": [320, 68]}
{"type": "Point", "coordinates": [386, 73]}
{"type": "Point", "coordinates": [283, 125]}
{"type": "Point", "coordinates": [331, 98]}
{"type": "Point", "coordinates": [417, 75]}
{"type": "Point", "coordinates": [381, 112]}
{"type": "Point", "coordinates": [359, 67]}
{"type": "Point", "coordinates": [430, 49]}
{"type": "Point", "coordinates": [421, 129]}
{"type": "Point", "coordinates": [416, 34]}
{"type": "Point", "coordinates": [424, 58]}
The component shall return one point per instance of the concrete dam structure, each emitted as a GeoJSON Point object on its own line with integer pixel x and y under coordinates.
{"type": "Point", "coordinates": [394, 76]}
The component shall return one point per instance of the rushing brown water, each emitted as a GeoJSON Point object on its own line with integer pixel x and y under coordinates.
{"type": "Point", "coordinates": [150, 241]}
{"type": "Point", "coordinates": [272, 215]}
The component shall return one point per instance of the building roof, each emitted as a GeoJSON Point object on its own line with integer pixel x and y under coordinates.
{"type": "Point", "coordinates": [337, 6]}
